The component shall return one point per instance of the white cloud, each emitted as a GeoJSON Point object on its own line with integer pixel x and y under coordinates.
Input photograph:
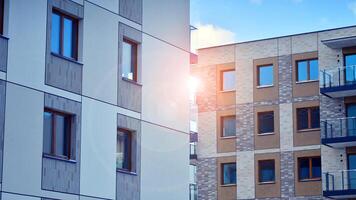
{"type": "Point", "coordinates": [208, 35]}
{"type": "Point", "coordinates": [352, 7]}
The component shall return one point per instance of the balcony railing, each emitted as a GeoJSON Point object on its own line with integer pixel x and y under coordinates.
{"type": "Point", "coordinates": [338, 184]}
{"type": "Point", "coordinates": [339, 132]}
{"type": "Point", "coordinates": [337, 80]}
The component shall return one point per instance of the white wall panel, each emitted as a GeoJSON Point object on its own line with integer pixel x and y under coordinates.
{"type": "Point", "coordinates": [112, 5]}
{"type": "Point", "coordinates": [165, 163]}
{"type": "Point", "coordinates": [6, 196]}
{"type": "Point", "coordinates": [23, 140]}
{"type": "Point", "coordinates": [165, 73]}
{"type": "Point", "coordinates": [98, 170]}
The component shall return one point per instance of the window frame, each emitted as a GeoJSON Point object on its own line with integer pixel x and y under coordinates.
{"type": "Point", "coordinates": [309, 109]}
{"type": "Point", "coordinates": [259, 124]}
{"type": "Point", "coordinates": [259, 73]}
{"type": "Point", "coordinates": [75, 34]}
{"type": "Point", "coordinates": [134, 58]}
{"type": "Point", "coordinates": [69, 119]}
{"type": "Point", "coordinates": [222, 174]}
{"type": "Point", "coordinates": [130, 164]}
{"type": "Point", "coordinates": [310, 160]}
{"type": "Point", "coordinates": [260, 171]}
{"type": "Point", "coordinates": [222, 126]}
{"type": "Point", "coordinates": [2, 16]}
{"type": "Point", "coordinates": [308, 70]}
{"type": "Point", "coordinates": [222, 80]}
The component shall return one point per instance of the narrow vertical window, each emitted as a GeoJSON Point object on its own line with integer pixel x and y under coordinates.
{"type": "Point", "coordinates": [228, 80]}
{"type": "Point", "coordinates": [228, 173]}
{"type": "Point", "coordinates": [228, 126]}
{"type": "Point", "coordinates": [265, 122]}
{"type": "Point", "coordinates": [1, 17]}
{"type": "Point", "coordinates": [64, 35]}
{"type": "Point", "coordinates": [129, 60]}
{"type": "Point", "coordinates": [57, 133]}
{"type": "Point", "coordinates": [124, 150]}
{"type": "Point", "coordinates": [265, 75]}
{"type": "Point", "coordinates": [266, 171]}
{"type": "Point", "coordinates": [307, 70]}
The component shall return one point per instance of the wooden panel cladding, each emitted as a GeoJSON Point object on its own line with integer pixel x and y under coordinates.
{"type": "Point", "coordinates": [131, 9]}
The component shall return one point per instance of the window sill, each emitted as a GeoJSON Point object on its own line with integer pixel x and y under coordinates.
{"type": "Point", "coordinates": [131, 81]}
{"type": "Point", "coordinates": [228, 185]}
{"type": "Point", "coordinates": [267, 183]}
{"type": "Point", "coordinates": [227, 91]}
{"type": "Point", "coordinates": [4, 37]}
{"type": "Point", "coordinates": [126, 172]}
{"type": "Point", "coordinates": [227, 137]}
{"type": "Point", "coordinates": [307, 81]}
{"type": "Point", "coordinates": [308, 130]}
{"type": "Point", "coordinates": [264, 86]}
{"type": "Point", "coordinates": [265, 134]}
{"type": "Point", "coordinates": [58, 158]}
{"type": "Point", "coordinates": [66, 58]}
{"type": "Point", "coordinates": [310, 180]}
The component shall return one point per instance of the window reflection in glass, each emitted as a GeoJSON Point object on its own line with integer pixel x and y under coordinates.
{"type": "Point", "coordinates": [55, 34]}
{"type": "Point", "coordinates": [129, 60]}
{"type": "Point", "coordinates": [229, 173]}
{"type": "Point", "coordinates": [266, 171]}
{"type": "Point", "coordinates": [228, 82]}
{"type": "Point", "coordinates": [265, 75]}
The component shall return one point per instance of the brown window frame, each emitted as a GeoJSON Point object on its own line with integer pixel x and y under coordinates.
{"type": "Point", "coordinates": [68, 141]}
{"type": "Point", "coordinates": [308, 69]}
{"type": "Point", "coordinates": [222, 79]}
{"type": "Point", "coordinates": [222, 125]}
{"type": "Point", "coordinates": [75, 34]}
{"type": "Point", "coordinates": [259, 171]}
{"type": "Point", "coordinates": [2, 14]}
{"type": "Point", "coordinates": [309, 118]}
{"type": "Point", "coordinates": [134, 57]}
{"type": "Point", "coordinates": [258, 75]}
{"type": "Point", "coordinates": [222, 172]}
{"type": "Point", "coordinates": [310, 169]}
{"type": "Point", "coordinates": [259, 124]}
{"type": "Point", "coordinates": [130, 155]}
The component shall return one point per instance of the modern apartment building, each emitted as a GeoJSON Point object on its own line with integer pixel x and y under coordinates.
{"type": "Point", "coordinates": [93, 99]}
{"type": "Point", "coordinates": [276, 118]}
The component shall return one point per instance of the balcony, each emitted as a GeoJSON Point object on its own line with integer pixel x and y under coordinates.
{"type": "Point", "coordinates": [338, 82]}
{"type": "Point", "coordinates": [339, 184]}
{"type": "Point", "coordinates": [339, 133]}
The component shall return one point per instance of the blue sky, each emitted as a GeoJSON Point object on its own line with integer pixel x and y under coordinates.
{"type": "Point", "coordinates": [243, 20]}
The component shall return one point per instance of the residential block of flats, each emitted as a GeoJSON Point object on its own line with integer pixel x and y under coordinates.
{"type": "Point", "coordinates": [93, 99]}
{"type": "Point", "coordinates": [277, 118]}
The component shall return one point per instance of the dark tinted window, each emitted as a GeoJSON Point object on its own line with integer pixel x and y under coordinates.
{"type": "Point", "coordinates": [64, 35]}
{"type": "Point", "coordinates": [265, 75]}
{"type": "Point", "coordinates": [228, 80]}
{"type": "Point", "coordinates": [129, 60]}
{"type": "Point", "coordinates": [123, 150]}
{"type": "Point", "coordinates": [309, 168]}
{"type": "Point", "coordinates": [229, 173]}
{"type": "Point", "coordinates": [308, 118]}
{"type": "Point", "coordinates": [307, 70]}
{"type": "Point", "coordinates": [266, 171]}
{"type": "Point", "coordinates": [1, 17]}
{"type": "Point", "coordinates": [57, 133]}
{"type": "Point", "coordinates": [229, 126]}
{"type": "Point", "coordinates": [265, 122]}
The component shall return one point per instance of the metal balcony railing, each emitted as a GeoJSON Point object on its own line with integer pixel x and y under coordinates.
{"type": "Point", "coordinates": [340, 76]}
{"type": "Point", "coordinates": [342, 180]}
{"type": "Point", "coordinates": [338, 128]}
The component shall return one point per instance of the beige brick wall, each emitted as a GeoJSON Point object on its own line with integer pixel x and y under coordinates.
{"type": "Point", "coordinates": [246, 175]}
{"type": "Point", "coordinates": [218, 55]}
{"type": "Point", "coordinates": [286, 126]}
{"type": "Point", "coordinates": [207, 134]}
{"type": "Point", "coordinates": [304, 43]}
{"type": "Point", "coordinates": [284, 46]}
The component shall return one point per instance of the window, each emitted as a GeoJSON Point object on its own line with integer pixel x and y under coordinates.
{"type": "Point", "coordinates": [57, 133]}
{"type": "Point", "coordinates": [123, 150]}
{"type": "Point", "coordinates": [308, 118]}
{"type": "Point", "coordinates": [265, 122]}
{"type": "Point", "coordinates": [309, 168]}
{"type": "Point", "coordinates": [1, 17]}
{"type": "Point", "coordinates": [350, 64]}
{"type": "Point", "coordinates": [228, 80]}
{"type": "Point", "coordinates": [266, 172]}
{"type": "Point", "coordinates": [192, 174]}
{"type": "Point", "coordinates": [64, 36]}
{"type": "Point", "coordinates": [129, 60]}
{"type": "Point", "coordinates": [228, 126]}
{"type": "Point", "coordinates": [228, 173]}
{"type": "Point", "coordinates": [265, 75]}
{"type": "Point", "coordinates": [307, 70]}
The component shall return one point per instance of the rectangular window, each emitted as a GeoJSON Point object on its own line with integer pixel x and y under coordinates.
{"type": "Point", "coordinates": [309, 168]}
{"type": "Point", "coordinates": [228, 126]}
{"type": "Point", "coordinates": [308, 118]}
{"type": "Point", "coordinates": [57, 133]}
{"type": "Point", "coordinates": [1, 17]}
{"type": "Point", "coordinates": [228, 173]}
{"type": "Point", "coordinates": [265, 122]}
{"type": "Point", "coordinates": [350, 65]}
{"type": "Point", "coordinates": [265, 75]}
{"type": "Point", "coordinates": [129, 60]}
{"type": "Point", "coordinates": [266, 171]}
{"type": "Point", "coordinates": [307, 70]}
{"type": "Point", "coordinates": [123, 150]}
{"type": "Point", "coordinates": [64, 35]}
{"type": "Point", "coordinates": [228, 80]}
